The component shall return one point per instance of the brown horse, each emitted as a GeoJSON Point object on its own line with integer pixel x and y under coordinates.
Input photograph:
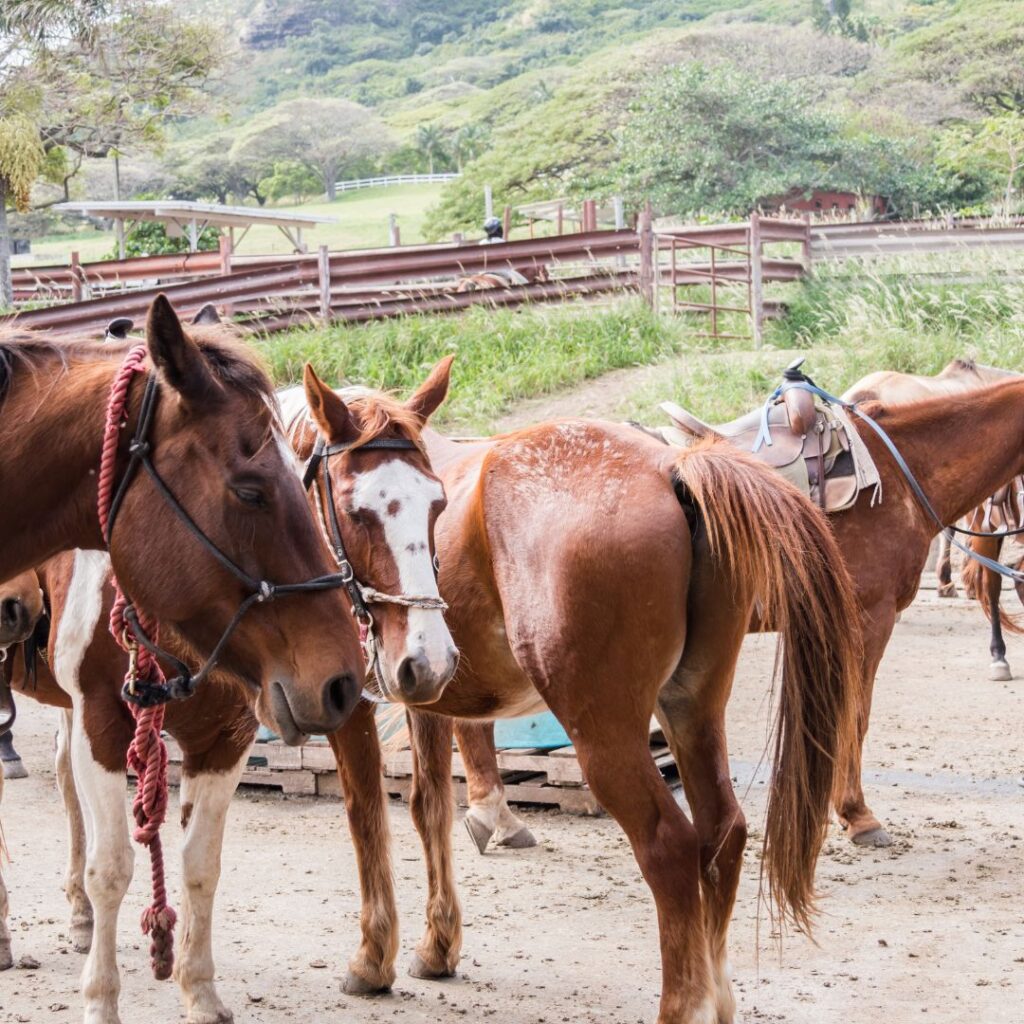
{"type": "Point", "coordinates": [215, 728]}
{"type": "Point", "coordinates": [20, 608]}
{"type": "Point", "coordinates": [216, 442]}
{"type": "Point", "coordinates": [591, 569]}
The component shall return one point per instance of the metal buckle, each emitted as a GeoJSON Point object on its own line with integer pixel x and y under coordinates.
{"type": "Point", "coordinates": [131, 645]}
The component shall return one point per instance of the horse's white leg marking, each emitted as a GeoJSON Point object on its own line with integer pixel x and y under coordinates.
{"type": "Point", "coordinates": [74, 879]}
{"type": "Point", "coordinates": [205, 800]}
{"type": "Point", "coordinates": [482, 818]}
{"type": "Point", "coordinates": [6, 957]}
{"type": "Point", "coordinates": [108, 855]}
{"type": "Point", "coordinates": [512, 831]}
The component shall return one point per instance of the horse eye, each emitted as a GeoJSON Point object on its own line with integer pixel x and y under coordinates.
{"type": "Point", "coordinates": [250, 496]}
{"type": "Point", "coordinates": [437, 565]}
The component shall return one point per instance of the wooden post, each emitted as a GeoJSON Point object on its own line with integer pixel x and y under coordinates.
{"type": "Point", "coordinates": [394, 234]}
{"type": "Point", "coordinates": [324, 274]}
{"type": "Point", "coordinates": [76, 277]}
{"type": "Point", "coordinates": [488, 202]}
{"type": "Point", "coordinates": [806, 244]}
{"type": "Point", "coordinates": [224, 244]}
{"type": "Point", "coordinates": [645, 241]}
{"type": "Point", "coordinates": [714, 294]}
{"type": "Point", "coordinates": [673, 278]}
{"type": "Point", "coordinates": [756, 281]}
{"type": "Point", "coordinates": [560, 219]}
{"type": "Point", "coordinates": [458, 237]}
{"type": "Point", "coordinates": [506, 222]}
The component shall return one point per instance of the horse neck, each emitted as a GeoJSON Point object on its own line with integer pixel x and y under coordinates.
{"type": "Point", "coordinates": [960, 449]}
{"type": "Point", "coordinates": [51, 438]}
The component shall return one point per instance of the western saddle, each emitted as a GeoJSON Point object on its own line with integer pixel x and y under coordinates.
{"type": "Point", "coordinates": [797, 433]}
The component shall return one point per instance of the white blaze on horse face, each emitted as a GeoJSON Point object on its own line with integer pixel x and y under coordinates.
{"type": "Point", "coordinates": [401, 496]}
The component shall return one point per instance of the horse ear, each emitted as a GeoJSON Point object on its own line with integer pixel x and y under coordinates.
{"type": "Point", "coordinates": [207, 315]}
{"type": "Point", "coordinates": [431, 393]}
{"type": "Point", "coordinates": [329, 412]}
{"type": "Point", "coordinates": [181, 363]}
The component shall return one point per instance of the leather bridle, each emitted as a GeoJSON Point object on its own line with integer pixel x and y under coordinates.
{"type": "Point", "coordinates": [360, 595]}
{"type": "Point", "coordinates": [149, 693]}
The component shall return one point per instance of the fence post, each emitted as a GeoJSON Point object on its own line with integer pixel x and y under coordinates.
{"type": "Point", "coordinates": [224, 245]}
{"type": "Point", "coordinates": [506, 222]}
{"type": "Point", "coordinates": [76, 277]}
{"type": "Point", "coordinates": [394, 234]}
{"type": "Point", "coordinates": [560, 219]}
{"type": "Point", "coordinates": [488, 202]}
{"type": "Point", "coordinates": [620, 212]}
{"type": "Point", "coordinates": [646, 244]}
{"type": "Point", "coordinates": [756, 281]}
{"type": "Point", "coordinates": [806, 245]}
{"type": "Point", "coordinates": [323, 265]}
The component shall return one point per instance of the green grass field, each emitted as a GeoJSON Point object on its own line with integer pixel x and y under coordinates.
{"type": "Point", "coordinates": [362, 223]}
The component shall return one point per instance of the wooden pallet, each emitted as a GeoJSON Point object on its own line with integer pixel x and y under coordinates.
{"type": "Point", "coordinates": [550, 778]}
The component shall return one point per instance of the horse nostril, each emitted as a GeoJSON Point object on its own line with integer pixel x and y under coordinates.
{"type": "Point", "coordinates": [341, 694]}
{"type": "Point", "coordinates": [407, 680]}
{"type": "Point", "coordinates": [12, 613]}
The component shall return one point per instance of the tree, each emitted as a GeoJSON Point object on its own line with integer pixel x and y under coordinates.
{"type": "Point", "coordinates": [21, 160]}
{"type": "Point", "coordinates": [430, 140]}
{"type": "Point", "coordinates": [994, 147]}
{"type": "Point", "coordinates": [321, 135]}
{"type": "Point", "coordinates": [468, 143]}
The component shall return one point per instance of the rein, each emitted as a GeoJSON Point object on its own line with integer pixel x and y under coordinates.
{"type": "Point", "coordinates": [797, 379]}
{"type": "Point", "coordinates": [360, 595]}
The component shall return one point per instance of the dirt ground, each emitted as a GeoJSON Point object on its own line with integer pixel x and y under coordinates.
{"type": "Point", "coordinates": [930, 930]}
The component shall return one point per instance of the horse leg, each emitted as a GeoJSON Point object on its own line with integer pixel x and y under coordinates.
{"type": "Point", "coordinates": [13, 766]}
{"type": "Point", "coordinates": [999, 670]}
{"type": "Point", "coordinates": [74, 878]}
{"type": "Point", "coordinates": [6, 957]}
{"type": "Point", "coordinates": [109, 860]}
{"type": "Point", "coordinates": [615, 757]}
{"type": "Point", "coordinates": [488, 812]}
{"type": "Point", "coordinates": [855, 816]}
{"type": "Point", "coordinates": [944, 569]}
{"type": "Point", "coordinates": [357, 751]}
{"type": "Point", "coordinates": [691, 711]}
{"type": "Point", "coordinates": [205, 799]}
{"type": "Point", "coordinates": [431, 805]}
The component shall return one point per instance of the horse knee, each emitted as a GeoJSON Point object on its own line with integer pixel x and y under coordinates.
{"type": "Point", "coordinates": [107, 878]}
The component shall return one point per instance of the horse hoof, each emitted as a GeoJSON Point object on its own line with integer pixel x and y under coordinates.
{"type": "Point", "coordinates": [6, 959]}
{"type": "Point", "coordinates": [354, 985]}
{"type": "Point", "coordinates": [999, 671]}
{"type": "Point", "coordinates": [876, 837]}
{"type": "Point", "coordinates": [946, 590]}
{"type": "Point", "coordinates": [478, 832]}
{"type": "Point", "coordinates": [521, 839]}
{"type": "Point", "coordinates": [419, 968]}
{"type": "Point", "coordinates": [15, 769]}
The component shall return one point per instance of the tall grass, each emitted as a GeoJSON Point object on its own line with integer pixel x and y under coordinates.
{"type": "Point", "coordinates": [501, 355]}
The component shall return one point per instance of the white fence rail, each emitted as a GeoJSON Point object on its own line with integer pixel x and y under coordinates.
{"type": "Point", "coordinates": [396, 179]}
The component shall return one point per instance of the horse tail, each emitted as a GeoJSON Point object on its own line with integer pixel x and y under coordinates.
{"type": "Point", "coordinates": [973, 576]}
{"type": "Point", "coordinates": [777, 548]}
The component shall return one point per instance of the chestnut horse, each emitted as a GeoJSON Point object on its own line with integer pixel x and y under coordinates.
{"type": "Point", "coordinates": [215, 727]}
{"type": "Point", "coordinates": [20, 608]}
{"type": "Point", "coordinates": [591, 569]}
{"type": "Point", "coordinates": [959, 376]}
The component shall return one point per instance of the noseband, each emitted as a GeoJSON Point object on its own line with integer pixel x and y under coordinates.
{"type": "Point", "coordinates": [360, 595]}
{"type": "Point", "coordinates": [149, 693]}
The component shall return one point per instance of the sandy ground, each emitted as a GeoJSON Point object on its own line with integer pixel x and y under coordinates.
{"type": "Point", "coordinates": [930, 930]}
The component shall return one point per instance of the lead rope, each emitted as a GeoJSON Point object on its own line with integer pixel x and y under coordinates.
{"type": "Point", "coordinates": [147, 755]}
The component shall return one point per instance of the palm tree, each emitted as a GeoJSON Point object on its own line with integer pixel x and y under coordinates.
{"type": "Point", "coordinates": [469, 142]}
{"type": "Point", "coordinates": [430, 140]}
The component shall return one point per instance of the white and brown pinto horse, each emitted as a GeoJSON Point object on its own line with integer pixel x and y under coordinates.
{"type": "Point", "coordinates": [390, 550]}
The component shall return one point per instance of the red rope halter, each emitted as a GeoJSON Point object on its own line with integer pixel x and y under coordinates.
{"type": "Point", "coordinates": [147, 755]}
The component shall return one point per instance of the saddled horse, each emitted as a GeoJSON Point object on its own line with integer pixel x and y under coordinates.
{"type": "Point", "coordinates": [1001, 510]}
{"type": "Point", "coordinates": [374, 464]}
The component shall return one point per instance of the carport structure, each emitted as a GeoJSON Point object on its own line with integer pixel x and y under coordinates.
{"type": "Point", "coordinates": [188, 219]}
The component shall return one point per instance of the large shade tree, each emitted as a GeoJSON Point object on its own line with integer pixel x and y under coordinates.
{"type": "Point", "coordinates": [323, 135]}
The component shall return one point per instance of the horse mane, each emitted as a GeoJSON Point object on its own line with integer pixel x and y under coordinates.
{"type": "Point", "coordinates": [934, 405]}
{"type": "Point", "coordinates": [228, 358]}
{"type": "Point", "coordinates": [966, 365]}
{"type": "Point", "coordinates": [380, 414]}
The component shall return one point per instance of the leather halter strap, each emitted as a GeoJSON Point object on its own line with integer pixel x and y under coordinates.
{"type": "Point", "coordinates": [260, 590]}
{"type": "Point", "coordinates": [796, 379]}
